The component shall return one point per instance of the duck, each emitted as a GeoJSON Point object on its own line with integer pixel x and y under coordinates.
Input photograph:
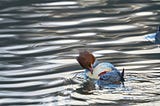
{"type": "Point", "coordinates": [154, 37]}
{"type": "Point", "coordinates": [102, 72]}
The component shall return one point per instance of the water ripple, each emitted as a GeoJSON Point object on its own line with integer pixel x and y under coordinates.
{"type": "Point", "coordinates": [39, 42]}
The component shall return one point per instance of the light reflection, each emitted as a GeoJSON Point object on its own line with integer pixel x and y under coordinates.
{"type": "Point", "coordinates": [34, 15]}
{"type": "Point", "coordinates": [133, 67]}
{"type": "Point", "coordinates": [76, 103]}
{"type": "Point", "coordinates": [58, 7]}
{"type": "Point", "coordinates": [7, 35]}
{"type": "Point", "coordinates": [67, 23]}
{"type": "Point", "coordinates": [14, 47]}
{"type": "Point", "coordinates": [145, 51]}
{"type": "Point", "coordinates": [144, 14]}
{"type": "Point", "coordinates": [121, 41]}
{"type": "Point", "coordinates": [23, 84]}
{"type": "Point", "coordinates": [86, 3]}
{"type": "Point", "coordinates": [46, 67]}
{"type": "Point", "coordinates": [154, 103]}
{"type": "Point", "coordinates": [63, 3]}
{"type": "Point", "coordinates": [83, 34]}
{"type": "Point", "coordinates": [95, 19]}
{"type": "Point", "coordinates": [7, 55]}
{"type": "Point", "coordinates": [105, 51]}
{"type": "Point", "coordinates": [1, 19]}
{"type": "Point", "coordinates": [21, 30]}
{"type": "Point", "coordinates": [53, 83]}
{"type": "Point", "coordinates": [20, 72]}
{"type": "Point", "coordinates": [143, 62]}
{"type": "Point", "coordinates": [64, 41]}
{"type": "Point", "coordinates": [28, 100]}
{"type": "Point", "coordinates": [118, 27]}
{"type": "Point", "coordinates": [48, 91]}
{"type": "Point", "coordinates": [108, 28]}
{"type": "Point", "coordinates": [56, 24]}
{"type": "Point", "coordinates": [63, 61]}
{"type": "Point", "coordinates": [139, 6]}
{"type": "Point", "coordinates": [36, 50]}
{"type": "Point", "coordinates": [108, 98]}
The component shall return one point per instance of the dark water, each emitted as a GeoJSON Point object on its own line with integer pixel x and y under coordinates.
{"type": "Point", "coordinates": [39, 40]}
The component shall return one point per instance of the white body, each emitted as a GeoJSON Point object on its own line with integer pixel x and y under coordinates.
{"type": "Point", "coordinates": [101, 67]}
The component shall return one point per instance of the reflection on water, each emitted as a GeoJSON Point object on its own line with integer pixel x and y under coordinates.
{"type": "Point", "coordinates": [39, 41]}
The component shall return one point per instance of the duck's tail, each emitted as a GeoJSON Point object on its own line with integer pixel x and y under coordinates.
{"type": "Point", "coordinates": [122, 76]}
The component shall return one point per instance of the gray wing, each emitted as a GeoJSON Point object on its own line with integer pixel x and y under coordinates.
{"type": "Point", "coordinates": [110, 77]}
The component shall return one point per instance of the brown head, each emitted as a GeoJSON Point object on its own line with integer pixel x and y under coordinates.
{"type": "Point", "coordinates": [86, 60]}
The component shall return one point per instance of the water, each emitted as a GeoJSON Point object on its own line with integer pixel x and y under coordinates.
{"type": "Point", "coordinates": [39, 40]}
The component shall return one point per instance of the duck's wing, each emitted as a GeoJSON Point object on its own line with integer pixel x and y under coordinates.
{"type": "Point", "coordinates": [111, 77]}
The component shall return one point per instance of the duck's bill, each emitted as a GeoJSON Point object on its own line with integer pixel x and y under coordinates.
{"type": "Point", "coordinates": [91, 70]}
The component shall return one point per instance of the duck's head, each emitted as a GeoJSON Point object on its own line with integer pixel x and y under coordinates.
{"type": "Point", "coordinates": [86, 60]}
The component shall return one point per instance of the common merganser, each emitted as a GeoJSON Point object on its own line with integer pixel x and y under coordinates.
{"type": "Point", "coordinates": [104, 72]}
{"type": "Point", "coordinates": [154, 37]}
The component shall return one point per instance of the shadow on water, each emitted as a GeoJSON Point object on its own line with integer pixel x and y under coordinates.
{"type": "Point", "coordinates": [39, 41]}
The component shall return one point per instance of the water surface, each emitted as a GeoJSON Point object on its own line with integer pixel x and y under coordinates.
{"type": "Point", "coordinates": [39, 41]}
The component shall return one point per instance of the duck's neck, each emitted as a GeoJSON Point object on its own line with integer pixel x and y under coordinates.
{"type": "Point", "coordinates": [95, 63]}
